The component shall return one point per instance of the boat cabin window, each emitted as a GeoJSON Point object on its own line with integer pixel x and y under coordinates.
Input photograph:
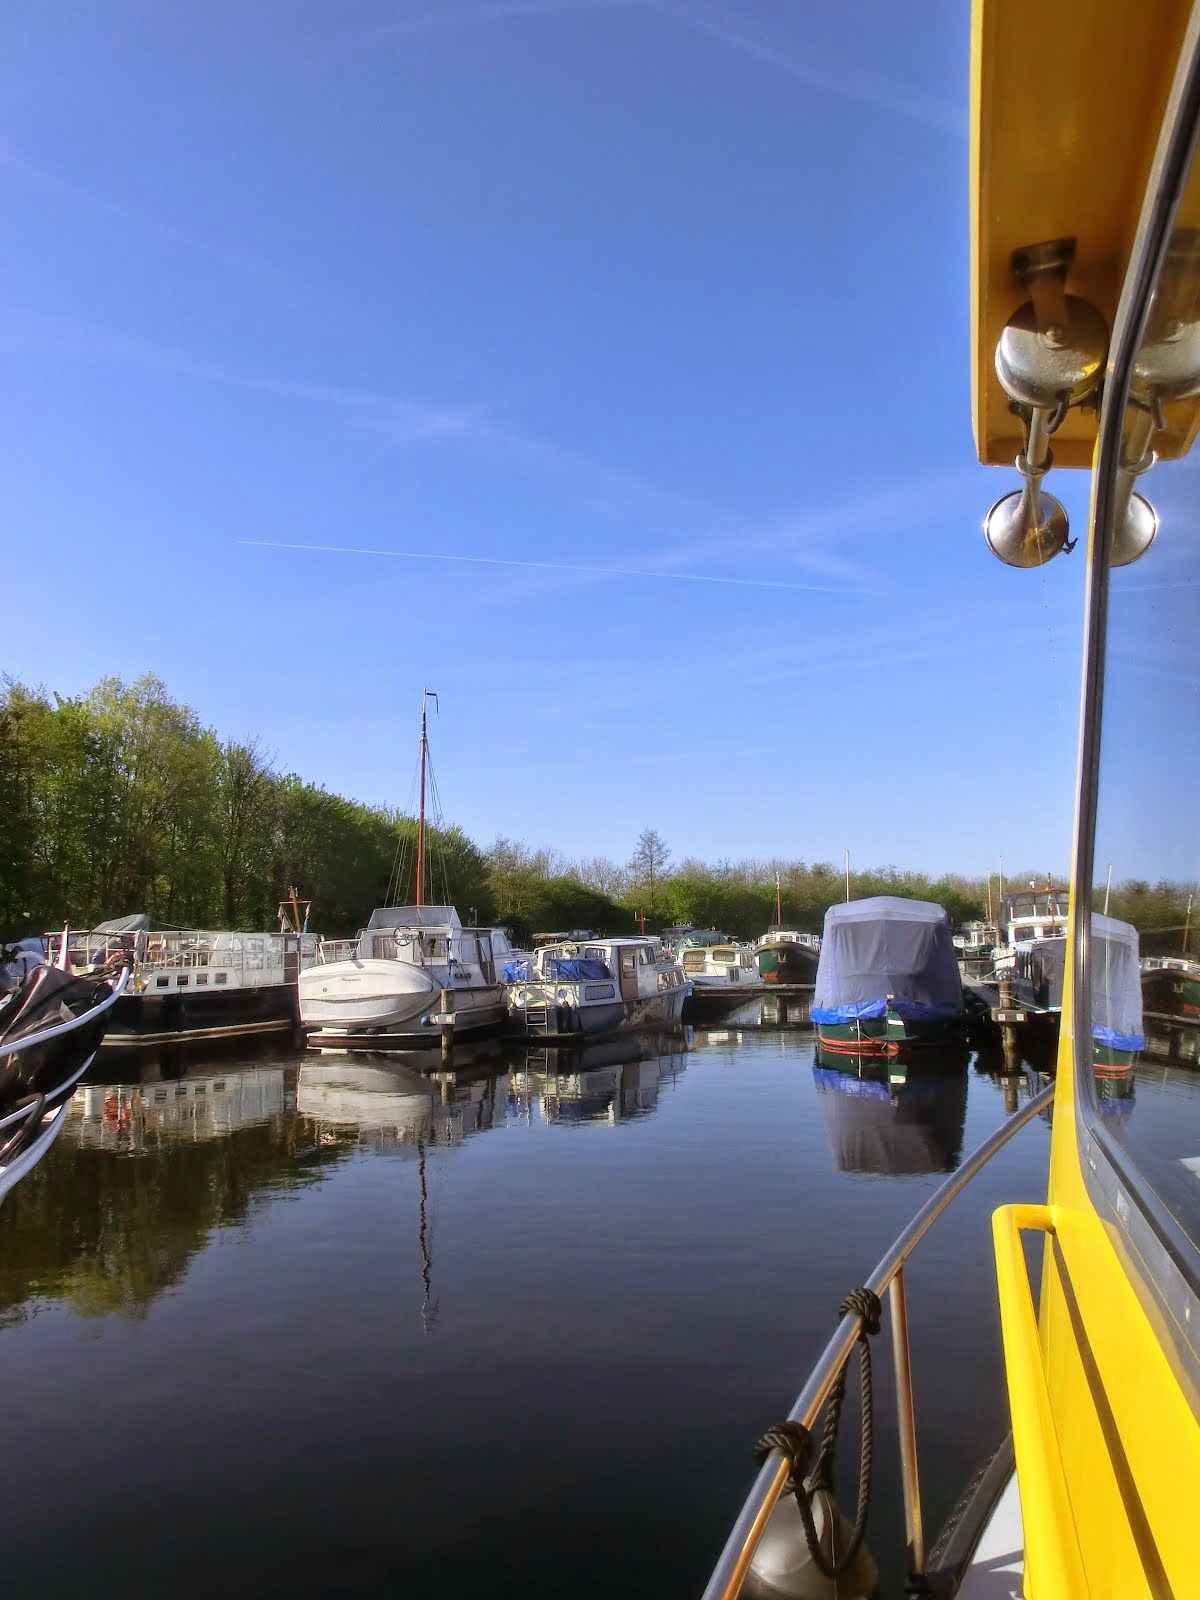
{"type": "Point", "coordinates": [1138, 1065]}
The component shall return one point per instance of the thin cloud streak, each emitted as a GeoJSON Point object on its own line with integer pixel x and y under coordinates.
{"type": "Point", "coordinates": [800, 61]}
{"type": "Point", "coordinates": [435, 20]}
{"type": "Point", "coordinates": [396, 421]}
{"type": "Point", "coordinates": [550, 566]}
{"type": "Point", "coordinates": [251, 267]}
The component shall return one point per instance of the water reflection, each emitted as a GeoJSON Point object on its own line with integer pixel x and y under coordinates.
{"type": "Point", "coordinates": [141, 1178]}
{"type": "Point", "coordinates": [601, 1083]}
{"type": "Point", "coordinates": [391, 1108]}
{"type": "Point", "coordinates": [896, 1129]}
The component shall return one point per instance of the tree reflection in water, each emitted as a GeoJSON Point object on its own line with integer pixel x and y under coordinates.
{"type": "Point", "coordinates": [112, 1219]}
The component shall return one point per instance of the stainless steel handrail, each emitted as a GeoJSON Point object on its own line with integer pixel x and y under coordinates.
{"type": "Point", "coordinates": [731, 1569]}
{"type": "Point", "coordinates": [60, 1028]}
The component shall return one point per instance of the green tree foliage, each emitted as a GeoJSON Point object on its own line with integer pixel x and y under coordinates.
{"type": "Point", "coordinates": [120, 801]}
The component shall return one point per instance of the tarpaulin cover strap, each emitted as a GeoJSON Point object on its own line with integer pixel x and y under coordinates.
{"type": "Point", "coordinates": [882, 948]}
{"type": "Point", "coordinates": [1116, 978]}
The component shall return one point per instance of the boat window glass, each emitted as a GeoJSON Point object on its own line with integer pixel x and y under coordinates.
{"type": "Point", "coordinates": [1139, 1064]}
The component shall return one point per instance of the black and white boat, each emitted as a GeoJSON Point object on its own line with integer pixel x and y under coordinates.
{"type": "Point", "coordinates": [51, 1025]}
{"type": "Point", "coordinates": [190, 983]}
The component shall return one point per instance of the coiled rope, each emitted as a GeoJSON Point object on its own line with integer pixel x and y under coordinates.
{"type": "Point", "coordinates": [794, 1442]}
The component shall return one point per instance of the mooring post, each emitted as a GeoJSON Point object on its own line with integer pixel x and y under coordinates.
{"type": "Point", "coordinates": [1008, 1031]}
{"type": "Point", "coordinates": [446, 1023]}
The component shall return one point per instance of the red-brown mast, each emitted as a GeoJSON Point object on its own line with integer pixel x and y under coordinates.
{"type": "Point", "coordinates": [421, 813]}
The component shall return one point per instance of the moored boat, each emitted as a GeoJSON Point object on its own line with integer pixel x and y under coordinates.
{"type": "Point", "coordinates": [720, 968]}
{"type": "Point", "coordinates": [51, 1025]}
{"type": "Point", "coordinates": [191, 983]}
{"type": "Point", "coordinates": [385, 989]}
{"type": "Point", "coordinates": [411, 972]}
{"type": "Point", "coordinates": [573, 990]}
{"type": "Point", "coordinates": [787, 955]}
{"type": "Point", "coordinates": [887, 978]}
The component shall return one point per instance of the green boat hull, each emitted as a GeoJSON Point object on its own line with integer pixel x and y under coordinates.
{"type": "Point", "coordinates": [882, 1036]}
{"type": "Point", "coordinates": [786, 962]}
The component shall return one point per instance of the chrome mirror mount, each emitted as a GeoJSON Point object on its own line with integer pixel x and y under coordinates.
{"type": "Point", "coordinates": [1049, 358]}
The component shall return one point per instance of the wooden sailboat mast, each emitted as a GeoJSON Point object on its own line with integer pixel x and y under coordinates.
{"type": "Point", "coordinates": [425, 694]}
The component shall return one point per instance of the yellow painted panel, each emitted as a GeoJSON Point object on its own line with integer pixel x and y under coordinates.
{"type": "Point", "coordinates": [1066, 101]}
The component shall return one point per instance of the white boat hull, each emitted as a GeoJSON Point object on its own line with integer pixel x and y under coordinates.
{"type": "Point", "coordinates": [535, 1011]}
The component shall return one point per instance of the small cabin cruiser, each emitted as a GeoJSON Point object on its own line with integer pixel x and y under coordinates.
{"type": "Point", "coordinates": [384, 988]}
{"type": "Point", "coordinates": [720, 966]}
{"type": "Point", "coordinates": [600, 986]}
{"type": "Point", "coordinates": [191, 983]}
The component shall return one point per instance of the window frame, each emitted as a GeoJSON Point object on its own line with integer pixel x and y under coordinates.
{"type": "Point", "coordinates": [1162, 1260]}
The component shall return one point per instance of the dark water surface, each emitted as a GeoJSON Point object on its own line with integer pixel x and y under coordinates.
{"type": "Point", "coordinates": [314, 1325]}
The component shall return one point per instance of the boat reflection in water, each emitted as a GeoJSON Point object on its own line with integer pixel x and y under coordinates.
{"type": "Point", "coordinates": [394, 1108]}
{"type": "Point", "coordinates": [878, 1124]}
{"type": "Point", "coordinates": [606, 1082]}
{"type": "Point", "coordinates": [126, 1117]}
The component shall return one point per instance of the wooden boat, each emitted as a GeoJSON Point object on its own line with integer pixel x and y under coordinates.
{"type": "Point", "coordinates": [787, 955]}
{"type": "Point", "coordinates": [1171, 989]}
{"type": "Point", "coordinates": [583, 990]}
{"type": "Point", "coordinates": [1085, 296]}
{"type": "Point", "coordinates": [887, 978]}
{"type": "Point", "coordinates": [51, 1025]}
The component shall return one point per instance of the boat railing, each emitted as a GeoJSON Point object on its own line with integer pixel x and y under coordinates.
{"type": "Point", "coordinates": [733, 1566]}
{"type": "Point", "coordinates": [336, 950]}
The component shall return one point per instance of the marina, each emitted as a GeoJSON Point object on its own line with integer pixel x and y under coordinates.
{"type": "Point", "coordinates": [782, 1226]}
{"type": "Point", "coordinates": [357, 1265]}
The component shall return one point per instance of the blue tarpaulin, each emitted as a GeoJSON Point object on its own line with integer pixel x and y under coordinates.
{"type": "Point", "coordinates": [886, 949]}
{"type": "Point", "coordinates": [557, 969]}
{"type": "Point", "coordinates": [564, 967]}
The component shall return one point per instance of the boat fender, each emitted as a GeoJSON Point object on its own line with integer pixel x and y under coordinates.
{"type": "Point", "coordinates": [809, 1549]}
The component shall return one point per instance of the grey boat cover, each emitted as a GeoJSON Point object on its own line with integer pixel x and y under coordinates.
{"type": "Point", "coordinates": [414, 917]}
{"type": "Point", "coordinates": [1038, 973]}
{"type": "Point", "coordinates": [138, 923]}
{"type": "Point", "coordinates": [1116, 978]}
{"type": "Point", "coordinates": [887, 948]}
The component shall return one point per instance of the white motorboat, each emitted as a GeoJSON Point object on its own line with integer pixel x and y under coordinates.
{"type": "Point", "coordinates": [410, 972]}
{"type": "Point", "coordinates": [600, 986]}
{"type": "Point", "coordinates": [386, 987]}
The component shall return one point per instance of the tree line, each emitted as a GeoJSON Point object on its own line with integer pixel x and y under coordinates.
{"type": "Point", "coordinates": [120, 800]}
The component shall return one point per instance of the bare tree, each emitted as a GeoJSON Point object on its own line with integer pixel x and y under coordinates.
{"type": "Point", "coordinates": [649, 862]}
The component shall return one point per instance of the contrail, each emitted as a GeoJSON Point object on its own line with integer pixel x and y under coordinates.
{"type": "Point", "coordinates": [550, 566]}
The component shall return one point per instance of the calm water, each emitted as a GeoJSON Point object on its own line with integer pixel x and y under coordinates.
{"type": "Point", "coordinates": [303, 1325]}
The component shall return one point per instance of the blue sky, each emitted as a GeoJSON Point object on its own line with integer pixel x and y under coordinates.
{"type": "Point", "coordinates": [649, 318]}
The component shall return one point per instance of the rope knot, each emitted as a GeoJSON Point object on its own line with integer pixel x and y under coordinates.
{"type": "Point", "coordinates": [864, 1303]}
{"type": "Point", "coordinates": [792, 1440]}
